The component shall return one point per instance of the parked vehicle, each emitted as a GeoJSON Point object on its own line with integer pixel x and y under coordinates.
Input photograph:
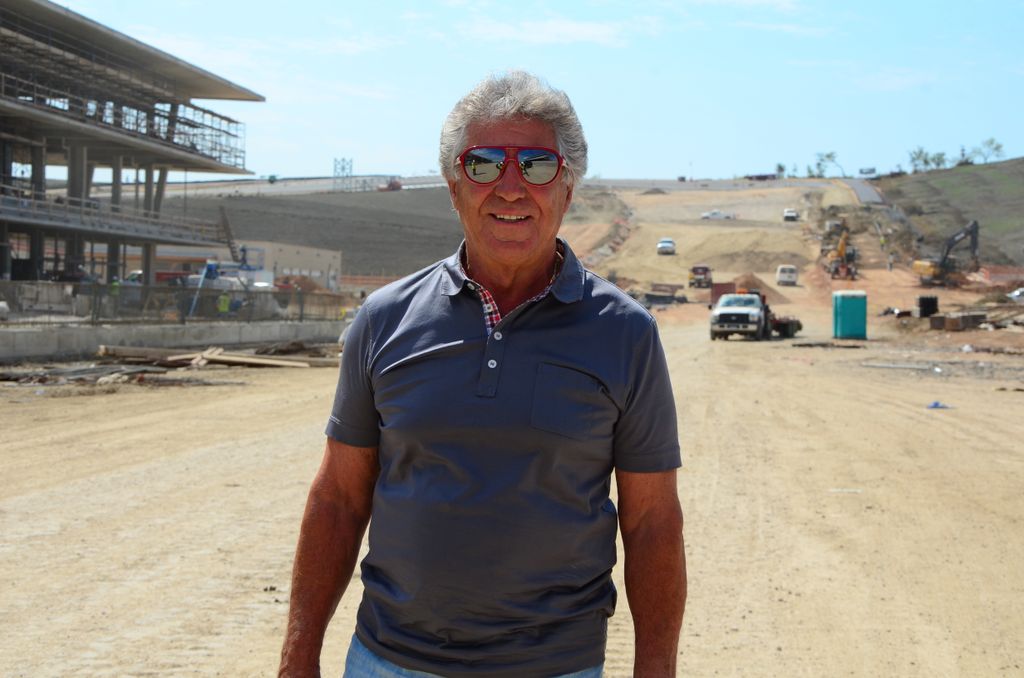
{"type": "Point", "coordinates": [747, 313]}
{"type": "Point", "coordinates": [786, 274]}
{"type": "Point", "coordinates": [717, 214]}
{"type": "Point", "coordinates": [700, 276]}
{"type": "Point", "coordinates": [666, 246]}
{"type": "Point", "coordinates": [739, 314]}
{"type": "Point", "coordinates": [790, 214]}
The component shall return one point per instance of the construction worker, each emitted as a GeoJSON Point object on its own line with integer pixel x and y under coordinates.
{"type": "Point", "coordinates": [223, 304]}
{"type": "Point", "coordinates": [114, 292]}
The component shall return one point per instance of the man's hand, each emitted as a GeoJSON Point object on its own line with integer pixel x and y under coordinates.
{"type": "Point", "coordinates": [651, 522]}
{"type": "Point", "coordinates": [337, 512]}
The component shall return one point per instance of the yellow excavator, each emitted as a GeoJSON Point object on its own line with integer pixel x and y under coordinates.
{"type": "Point", "coordinates": [945, 270]}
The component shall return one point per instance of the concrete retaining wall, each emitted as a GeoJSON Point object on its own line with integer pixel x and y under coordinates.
{"type": "Point", "coordinates": [77, 341]}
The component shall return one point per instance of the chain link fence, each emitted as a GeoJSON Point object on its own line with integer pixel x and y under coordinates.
{"type": "Point", "coordinates": [125, 302]}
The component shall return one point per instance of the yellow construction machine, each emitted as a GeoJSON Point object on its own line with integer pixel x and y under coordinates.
{"type": "Point", "coordinates": [840, 262]}
{"type": "Point", "coordinates": [945, 270]}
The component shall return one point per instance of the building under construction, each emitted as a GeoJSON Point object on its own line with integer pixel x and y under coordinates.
{"type": "Point", "coordinates": [76, 94]}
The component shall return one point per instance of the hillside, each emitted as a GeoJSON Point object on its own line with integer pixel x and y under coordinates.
{"type": "Point", "coordinates": [940, 202]}
{"type": "Point", "coordinates": [379, 233]}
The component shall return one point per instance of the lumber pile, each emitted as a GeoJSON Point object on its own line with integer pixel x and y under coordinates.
{"type": "Point", "coordinates": [170, 357]}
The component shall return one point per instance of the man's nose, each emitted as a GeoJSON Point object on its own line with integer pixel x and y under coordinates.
{"type": "Point", "coordinates": [511, 185]}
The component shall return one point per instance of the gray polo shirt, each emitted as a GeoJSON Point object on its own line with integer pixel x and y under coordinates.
{"type": "Point", "coordinates": [492, 536]}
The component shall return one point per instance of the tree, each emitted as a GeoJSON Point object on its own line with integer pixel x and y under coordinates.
{"type": "Point", "coordinates": [990, 148]}
{"type": "Point", "coordinates": [780, 170]}
{"type": "Point", "coordinates": [828, 159]}
{"type": "Point", "coordinates": [938, 160]}
{"type": "Point", "coordinates": [919, 159]}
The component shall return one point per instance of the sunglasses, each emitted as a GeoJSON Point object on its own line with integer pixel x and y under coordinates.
{"type": "Point", "coordinates": [485, 164]}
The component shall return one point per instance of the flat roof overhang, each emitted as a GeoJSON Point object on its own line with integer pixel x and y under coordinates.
{"type": "Point", "coordinates": [105, 143]}
{"type": "Point", "coordinates": [189, 82]}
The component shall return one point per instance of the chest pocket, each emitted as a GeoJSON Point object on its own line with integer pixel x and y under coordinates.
{"type": "Point", "coordinates": [572, 404]}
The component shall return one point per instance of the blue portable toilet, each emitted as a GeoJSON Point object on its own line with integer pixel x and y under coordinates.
{"type": "Point", "coordinates": [850, 314]}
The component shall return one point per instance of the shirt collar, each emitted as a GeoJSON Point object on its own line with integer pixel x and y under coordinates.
{"type": "Point", "coordinates": [567, 288]}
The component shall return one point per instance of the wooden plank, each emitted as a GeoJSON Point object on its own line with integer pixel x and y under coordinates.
{"type": "Point", "coordinates": [255, 361]}
{"type": "Point", "coordinates": [171, 355]}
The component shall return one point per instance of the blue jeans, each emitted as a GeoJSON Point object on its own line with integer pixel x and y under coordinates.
{"type": "Point", "coordinates": [361, 663]}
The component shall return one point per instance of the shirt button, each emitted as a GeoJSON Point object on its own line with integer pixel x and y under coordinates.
{"type": "Point", "coordinates": [471, 286]}
{"type": "Point", "coordinates": [492, 363]}
{"type": "Point", "coordinates": [488, 307]}
{"type": "Point", "coordinates": [497, 336]}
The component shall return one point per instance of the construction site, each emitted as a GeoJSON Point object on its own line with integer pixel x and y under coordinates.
{"type": "Point", "coordinates": [852, 503]}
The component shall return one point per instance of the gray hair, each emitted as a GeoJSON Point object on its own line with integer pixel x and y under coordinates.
{"type": "Point", "coordinates": [516, 94]}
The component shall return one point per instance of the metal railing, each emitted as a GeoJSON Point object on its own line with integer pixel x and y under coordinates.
{"type": "Point", "coordinates": [181, 126]}
{"type": "Point", "coordinates": [63, 303]}
{"type": "Point", "coordinates": [18, 204]}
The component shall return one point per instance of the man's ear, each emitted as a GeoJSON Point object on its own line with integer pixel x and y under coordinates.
{"type": "Point", "coordinates": [568, 197]}
{"type": "Point", "coordinates": [451, 194]}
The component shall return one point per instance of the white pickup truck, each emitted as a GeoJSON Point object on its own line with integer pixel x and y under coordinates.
{"type": "Point", "coordinates": [740, 314]}
{"type": "Point", "coordinates": [748, 314]}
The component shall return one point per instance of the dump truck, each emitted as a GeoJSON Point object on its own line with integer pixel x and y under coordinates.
{"type": "Point", "coordinates": [700, 276]}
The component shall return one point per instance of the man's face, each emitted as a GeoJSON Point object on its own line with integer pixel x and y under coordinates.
{"type": "Point", "coordinates": [510, 224]}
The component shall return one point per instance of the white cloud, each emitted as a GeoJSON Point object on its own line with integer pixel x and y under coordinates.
{"type": "Point", "coordinates": [340, 46]}
{"type": "Point", "coordinates": [786, 6]}
{"type": "Point", "coordinates": [561, 31]}
{"type": "Point", "coordinates": [895, 80]}
{"type": "Point", "coordinates": [791, 29]}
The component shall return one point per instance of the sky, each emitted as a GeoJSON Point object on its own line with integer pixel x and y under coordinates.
{"type": "Point", "coordinates": [696, 88]}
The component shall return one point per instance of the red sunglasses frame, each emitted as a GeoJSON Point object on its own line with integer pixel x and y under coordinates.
{"type": "Point", "coordinates": [511, 153]}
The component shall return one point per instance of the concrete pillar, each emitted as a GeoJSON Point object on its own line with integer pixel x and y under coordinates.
{"type": "Point", "coordinates": [89, 172]}
{"type": "Point", "coordinates": [5, 252]}
{"type": "Point", "coordinates": [161, 184]}
{"type": "Point", "coordinates": [147, 204]}
{"type": "Point", "coordinates": [35, 253]}
{"type": "Point", "coordinates": [149, 264]}
{"type": "Point", "coordinates": [77, 171]}
{"type": "Point", "coordinates": [6, 165]}
{"type": "Point", "coordinates": [113, 259]}
{"type": "Point", "coordinates": [74, 252]}
{"type": "Point", "coordinates": [39, 171]}
{"type": "Point", "coordinates": [116, 169]}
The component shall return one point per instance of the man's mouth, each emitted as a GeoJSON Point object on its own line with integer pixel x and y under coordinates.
{"type": "Point", "coordinates": [510, 217]}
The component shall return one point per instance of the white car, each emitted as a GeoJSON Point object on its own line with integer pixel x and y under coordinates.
{"type": "Point", "coordinates": [1017, 296]}
{"type": "Point", "coordinates": [666, 246]}
{"type": "Point", "coordinates": [790, 214]}
{"type": "Point", "coordinates": [716, 214]}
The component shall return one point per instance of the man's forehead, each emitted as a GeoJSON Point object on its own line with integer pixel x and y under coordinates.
{"type": "Point", "coordinates": [517, 131]}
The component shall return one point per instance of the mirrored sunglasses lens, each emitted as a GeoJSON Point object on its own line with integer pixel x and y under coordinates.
{"type": "Point", "coordinates": [483, 165]}
{"type": "Point", "coordinates": [538, 165]}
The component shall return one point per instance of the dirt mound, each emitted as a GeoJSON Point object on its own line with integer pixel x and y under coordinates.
{"type": "Point", "coordinates": [653, 191]}
{"type": "Point", "coordinates": [752, 282]}
{"type": "Point", "coordinates": [750, 260]}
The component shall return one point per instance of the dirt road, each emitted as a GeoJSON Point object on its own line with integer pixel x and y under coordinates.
{"type": "Point", "coordinates": [836, 525]}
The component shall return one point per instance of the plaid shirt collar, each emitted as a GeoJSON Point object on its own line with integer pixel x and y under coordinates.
{"type": "Point", "coordinates": [492, 314]}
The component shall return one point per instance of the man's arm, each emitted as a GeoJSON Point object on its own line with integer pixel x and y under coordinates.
{"type": "Point", "coordinates": [337, 512]}
{"type": "Point", "coordinates": [651, 522]}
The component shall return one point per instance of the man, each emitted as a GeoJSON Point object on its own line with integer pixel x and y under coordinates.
{"type": "Point", "coordinates": [483, 405]}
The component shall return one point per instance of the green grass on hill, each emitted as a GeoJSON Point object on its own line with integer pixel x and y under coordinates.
{"type": "Point", "coordinates": [941, 202]}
